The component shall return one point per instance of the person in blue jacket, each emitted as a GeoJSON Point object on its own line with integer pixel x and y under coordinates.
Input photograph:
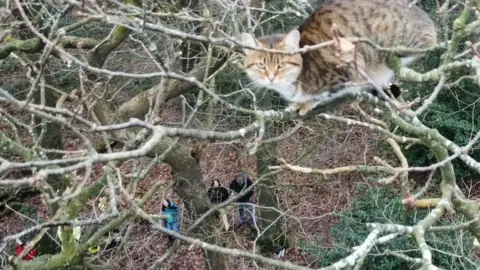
{"type": "Point", "coordinates": [170, 209]}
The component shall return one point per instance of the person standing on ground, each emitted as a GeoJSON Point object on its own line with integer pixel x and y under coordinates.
{"type": "Point", "coordinates": [239, 184]}
{"type": "Point", "coordinates": [170, 209]}
{"type": "Point", "coordinates": [218, 194]}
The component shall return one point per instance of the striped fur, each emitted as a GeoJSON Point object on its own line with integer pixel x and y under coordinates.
{"type": "Point", "coordinates": [309, 79]}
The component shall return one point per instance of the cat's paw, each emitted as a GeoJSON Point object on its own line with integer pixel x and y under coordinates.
{"type": "Point", "coordinates": [307, 106]}
{"type": "Point", "coordinates": [289, 109]}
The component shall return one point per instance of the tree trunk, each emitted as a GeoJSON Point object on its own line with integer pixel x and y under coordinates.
{"type": "Point", "coordinates": [189, 186]}
{"type": "Point", "coordinates": [51, 139]}
{"type": "Point", "coordinates": [273, 238]}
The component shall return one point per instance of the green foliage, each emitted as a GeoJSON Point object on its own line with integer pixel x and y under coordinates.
{"type": "Point", "coordinates": [383, 205]}
{"type": "Point", "coordinates": [453, 114]}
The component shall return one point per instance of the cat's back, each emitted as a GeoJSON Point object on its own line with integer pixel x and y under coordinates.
{"type": "Point", "coordinates": [386, 22]}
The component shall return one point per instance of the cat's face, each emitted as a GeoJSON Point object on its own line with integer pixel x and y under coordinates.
{"type": "Point", "coordinates": [274, 71]}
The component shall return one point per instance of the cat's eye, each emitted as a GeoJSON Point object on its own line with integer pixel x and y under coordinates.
{"type": "Point", "coordinates": [260, 65]}
{"type": "Point", "coordinates": [281, 64]}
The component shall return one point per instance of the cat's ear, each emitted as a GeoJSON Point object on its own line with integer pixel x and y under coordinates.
{"type": "Point", "coordinates": [249, 40]}
{"type": "Point", "coordinates": [291, 41]}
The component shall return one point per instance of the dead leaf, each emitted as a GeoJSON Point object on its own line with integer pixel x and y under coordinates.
{"type": "Point", "coordinates": [346, 49]}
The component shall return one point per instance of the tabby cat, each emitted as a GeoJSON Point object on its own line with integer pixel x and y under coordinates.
{"type": "Point", "coordinates": [309, 79]}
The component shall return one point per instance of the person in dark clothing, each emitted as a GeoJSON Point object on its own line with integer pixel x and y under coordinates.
{"type": "Point", "coordinates": [239, 184]}
{"type": "Point", "coordinates": [218, 194]}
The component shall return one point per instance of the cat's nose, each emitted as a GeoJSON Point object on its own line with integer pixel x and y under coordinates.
{"type": "Point", "coordinates": [271, 77]}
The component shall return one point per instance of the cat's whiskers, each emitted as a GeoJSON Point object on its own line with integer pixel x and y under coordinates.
{"type": "Point", "coordinates": [292, 88]}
